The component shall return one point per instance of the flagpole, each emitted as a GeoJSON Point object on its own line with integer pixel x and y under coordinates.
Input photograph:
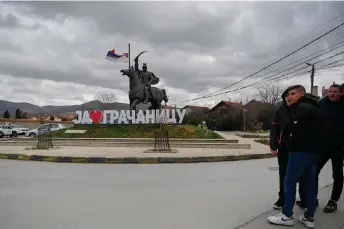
{"type": "Point", "coordinates": [129, 53]}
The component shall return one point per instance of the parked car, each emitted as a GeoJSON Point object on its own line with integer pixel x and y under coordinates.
{"type": "Point", "coordinates": [44, 128]}
{"type": "Point", "coordinates": [6, 130]}
{"type": "Point", "coordinates": [18, 130]}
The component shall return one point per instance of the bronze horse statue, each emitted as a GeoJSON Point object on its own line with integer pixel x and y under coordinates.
{"type": "Point", "coordinates": [136, 91]}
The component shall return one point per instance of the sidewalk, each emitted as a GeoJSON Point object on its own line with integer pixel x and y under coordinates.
{"type": "Point", "coordinates": [83, 151]}
{"type": "Point", "coordinates": [255, 146]}
{"type": "Point", "coordinates": [257, 151]}
{"type": "Point", "coordinates": [322, 220]}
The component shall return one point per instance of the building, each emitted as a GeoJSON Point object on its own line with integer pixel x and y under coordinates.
{"type": "Point", "coordinates": [195, 109]}
{"type": "Point", "coordinates": [324, 92]}
{"type": "Point", "coordinates": [255, 108]}
{"type": "Point", "coordinates": [225, 108]}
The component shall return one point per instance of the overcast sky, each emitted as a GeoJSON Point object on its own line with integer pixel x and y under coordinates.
{"type": "Point", "coordinates": [53, 53]}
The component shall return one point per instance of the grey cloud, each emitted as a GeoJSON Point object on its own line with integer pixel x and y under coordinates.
{"type": "Point", "coordinates": [172, 26]}
{"type": "Point", "coordinates": [159, 23]}
{"type": "Point", "coordinates": [76, 74]}
{"type": "Point", "coordinates": [165, 27]}
{"type": "Point", "coordinates": [8, 21]}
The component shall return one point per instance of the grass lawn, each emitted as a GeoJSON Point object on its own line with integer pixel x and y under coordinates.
{"type": "Point", "coordinates": [135, 131]}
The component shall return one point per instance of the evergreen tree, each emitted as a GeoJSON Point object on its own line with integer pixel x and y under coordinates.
{"type": "Point", "coordinates": [7, 114]}
{"type": "Point", "coordinates": [18, 114]}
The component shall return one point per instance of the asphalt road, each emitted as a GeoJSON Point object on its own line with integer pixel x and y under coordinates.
{"type": "Point", "coordinates": [185, 196]}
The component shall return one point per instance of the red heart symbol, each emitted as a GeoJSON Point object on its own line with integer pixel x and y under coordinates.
{"type": "Point", "coordinates": [96, 116]}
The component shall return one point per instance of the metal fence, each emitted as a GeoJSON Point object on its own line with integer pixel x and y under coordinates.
{"type": "Point", "coordinates": [161, 140]}
{"type": "Point", "coordinates": [44, 139]}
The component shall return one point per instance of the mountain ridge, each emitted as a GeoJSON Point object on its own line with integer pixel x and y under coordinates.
{"type": "Point", "coordinates": [33, 109]}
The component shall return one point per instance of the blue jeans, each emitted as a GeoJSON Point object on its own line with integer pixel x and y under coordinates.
{"type": "Point", "coordinates": [301, 168]}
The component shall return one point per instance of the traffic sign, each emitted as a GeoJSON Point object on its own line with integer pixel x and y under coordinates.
{"type": "Point", "coordinates": [245, 110]}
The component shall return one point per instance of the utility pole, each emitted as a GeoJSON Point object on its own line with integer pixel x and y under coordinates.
{"type": "Point", "coordinates": [129, 54]}
{"type": "Point", "coordinates": [312, 76]}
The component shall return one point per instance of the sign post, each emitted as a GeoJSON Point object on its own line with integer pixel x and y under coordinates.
{"type": "Point", "coordinates": [245, 110]}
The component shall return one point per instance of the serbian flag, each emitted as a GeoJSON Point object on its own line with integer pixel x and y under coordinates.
{"type": "Point", "coordinates": [113, 56]}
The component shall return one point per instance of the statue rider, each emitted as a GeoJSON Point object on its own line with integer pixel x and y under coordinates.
{"type": "Point", "coordinates": [147, 78]}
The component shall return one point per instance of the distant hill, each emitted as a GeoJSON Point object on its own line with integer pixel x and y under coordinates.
{"type": "Point", "coordinates": [32, 109]}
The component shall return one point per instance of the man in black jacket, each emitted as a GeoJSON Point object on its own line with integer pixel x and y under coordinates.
{"type": "Point", "coordinates": [305, 141]}
{"type": "Point", "coordinates": [333, 109]}
{"type": "Point", "coordinates": [278, 146]}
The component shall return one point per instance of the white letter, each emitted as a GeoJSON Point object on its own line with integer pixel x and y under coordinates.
{"type": "Point", "coordinates": [140, 117]}
{"type": "Point", "coordinates": [122, 117]}
{"type": "Point", "coordinates": [181, 114]}
{"type": "Point", "coordinates": [86, 118]}
{"type": "Point", "coordinates": [79, 117]}
{"type": "Point", "coordinates": [113, 116]}
{"type": "Point", "coordinates": [106, 113]}
{"type": "Point", "coordinates": [150, 116]}
{"type": "Point", "coordinates": [131, 116]}
{"type": "Point", "coordinates": [161, 116]}
{"type": "Point", "coordinates": [173, 119]}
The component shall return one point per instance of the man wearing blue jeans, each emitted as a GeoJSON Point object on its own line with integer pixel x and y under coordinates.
{"type": "Point", "coordinates": [305, 140]}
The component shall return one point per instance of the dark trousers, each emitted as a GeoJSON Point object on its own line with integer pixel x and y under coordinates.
{"type": "Point", "coordinates": [283, 164]}
{"type": "Point", "coordinates": [336, 157]}
{"type": "Point", "coordinates": [301, 168]}
{"type": "Point", "coordinates": [282, 158]}
{"type": "Point", "coordinates": [337, 171]}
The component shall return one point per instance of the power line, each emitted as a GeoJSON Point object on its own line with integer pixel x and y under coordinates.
{"type": "Point", "coordinates": [322, 67]}
{"type": "Point", "coordinates": [290, 77]}
{"type": "Point", "coordinates": [301, 35]}
{"type": "Point", "coordinates": [269, 78]}
{"type": "Point", "coordinates": [305, 61]}
{"type": "Point", "coordinates": [295, 51]}
{"type": "Point", "coordinates": [319, 51]}
{"type": "Point", "coordinates": [341, 44]}
{"type": "Point", "coordinates": [327, 50]}
{"type": "Point", "coordinates": [266, 80]}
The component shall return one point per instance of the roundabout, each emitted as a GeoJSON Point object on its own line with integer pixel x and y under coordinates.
{"type": "Point", "coordinates": [230, 148]}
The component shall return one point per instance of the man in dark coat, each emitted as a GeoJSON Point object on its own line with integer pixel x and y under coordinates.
{"type": "Point", "coordinates": [305, 143]}
{"type": "Point", "coordinates": [333, 109]}
{"type": "Point", "coordinates": [278, 146]}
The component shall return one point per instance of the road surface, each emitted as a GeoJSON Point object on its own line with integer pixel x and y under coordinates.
{"type": "Point", "coordinates": [185, 196]}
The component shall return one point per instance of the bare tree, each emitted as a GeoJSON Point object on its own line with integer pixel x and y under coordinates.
{"type": "Point", "coordinates": [269, 94]}
{"type": "Point", "coordinates": [106, 97]}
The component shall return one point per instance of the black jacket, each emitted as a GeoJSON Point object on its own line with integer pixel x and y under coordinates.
{"type": "Point", "coordinates": [306, 133]}
{"type": "Point", "coordinates": [334, 120]}
{"type": "Point", "coordinates": [281, 119]}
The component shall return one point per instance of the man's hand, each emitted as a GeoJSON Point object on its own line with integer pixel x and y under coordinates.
{"type": "Point", "coordinates": [274, 152]}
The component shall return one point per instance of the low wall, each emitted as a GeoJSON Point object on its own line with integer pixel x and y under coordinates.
{"type": "Point", "coordinates": [31, 123]}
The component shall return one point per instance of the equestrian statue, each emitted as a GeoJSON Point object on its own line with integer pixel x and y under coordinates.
{"type": "Point", "coordinates": [140, 89]}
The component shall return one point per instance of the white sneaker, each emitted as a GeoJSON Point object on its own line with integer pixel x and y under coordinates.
{"type": "Point", "coordinates": [307, 222]}
{"type": "Point", "coordinates": [281, 219]}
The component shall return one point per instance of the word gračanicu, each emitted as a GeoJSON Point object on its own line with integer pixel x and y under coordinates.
{"type": "Point", "coordinates": [130, 116]}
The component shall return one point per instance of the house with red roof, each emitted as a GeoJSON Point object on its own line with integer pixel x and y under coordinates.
{"type": "Point", "coordinates": [225, 108]}
{"type": "Point", "coordinates": [195, 109]}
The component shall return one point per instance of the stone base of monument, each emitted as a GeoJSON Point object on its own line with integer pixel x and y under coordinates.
{"type": "Point", "coordinates": [161, 151]}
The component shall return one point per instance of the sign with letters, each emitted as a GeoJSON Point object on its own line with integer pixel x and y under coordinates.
{"type": "Point", "coordinates": [172, 116]}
